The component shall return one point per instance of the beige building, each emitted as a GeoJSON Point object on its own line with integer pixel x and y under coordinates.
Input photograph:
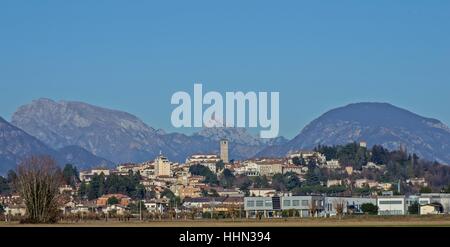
{"type": "Point", "coordinates": [429, 209]}
{"type": "Point", "coordinates": [188, 191]}
{"type": "Point", "coordinates": [162, 166]}
{"type": "Point", "coordinates": [385, 186]}
{"type": "Point", "coordinates": [361, 183]}
{"type": "Point", "coordinates": [262, 167]}
{"type": "Point", "coordinates": [334, 182]}
{"type": "Point", "coordinates": [269, 169]}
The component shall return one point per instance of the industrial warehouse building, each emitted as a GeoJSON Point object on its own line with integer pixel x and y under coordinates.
{"type": "Point", "coordinates": [322, 206]}
{"type": "Point", "coordinates": [305, 206]}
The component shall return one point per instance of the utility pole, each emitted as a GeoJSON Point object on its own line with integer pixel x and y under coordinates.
{"type": "Point", "coordinates": [176, 208]}
{"type": "Point", "coordinates": [212, 208]}
{"type": "Point", "coordinates": [240, 211]}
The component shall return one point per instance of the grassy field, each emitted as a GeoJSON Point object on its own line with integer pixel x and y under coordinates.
{"type": "Point", "coordinates": [429, 221]}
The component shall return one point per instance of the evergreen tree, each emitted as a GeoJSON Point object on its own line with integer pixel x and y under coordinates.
{"type": "Point", "coordinates": [83, 190]}
{"type": "Point", "coordinates": [70, 175]}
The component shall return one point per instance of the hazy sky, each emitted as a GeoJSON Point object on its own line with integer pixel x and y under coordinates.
{"type": "Point", "coordinates": [133, 55]}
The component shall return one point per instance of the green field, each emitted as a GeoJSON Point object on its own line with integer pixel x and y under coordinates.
{"type": "Point", "coordinates": [363, 221]}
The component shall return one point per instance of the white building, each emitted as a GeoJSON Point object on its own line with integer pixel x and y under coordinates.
{"type": "Point", "coordinates": [371, 165]}
{"type": "Point", "coordinates": [349, 204]}
{"type": "Point", "coordinates": [250, 169]}
{"type": "Point", "coordinates": [208, 160]}
{"type": "Point", "coordinates": [263, 167]}
{"type": "Point", "coordinates": [421, 182]}
{"type": "Point", "coordinates": [300, 170]}
{"type": "Point", "coordinates": [332, 164]}
{"type": "Point", "coordinates": [126, 168]}
{"type": "Point", "coordinates": [15, 210]}
{"type": "Point", "coordinates": [202, 158]}
{"type": "Point", "coordinates": [262, 192]}
{"type": "Point", "coordinates": [154, 206]}
{"type": "Point", "coordinates": [87, 175]}
{"type": "Point", "coordinates": [391, 205]}
{"type": "Point", "coordinates": [308, 156]}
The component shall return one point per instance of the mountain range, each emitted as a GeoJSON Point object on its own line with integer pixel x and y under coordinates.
{"type": "Point", "coordinates": [87, 135]}
{"type": "Point", "coordinates": [121, 137]}
{"type": "Point", "coordinates": [15, 145]}
{"type": "Point", "coordinates": [377, 124]}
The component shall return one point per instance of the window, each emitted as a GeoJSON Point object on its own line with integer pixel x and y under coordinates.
{"type": "Point", "coordinates": [268, 203]}
{"type": "Point", "coordinates": [296, 203]}
{"type": "Point", "coordinates": [260, 203]}
{"type": "Point", "coordinates": [305, 203]}
{"type": "Point", "coordinates": [391, 212]}
{"type": "Point", "coordinates": [250, 203]}
{"type": "Point", "coordinates": [390, 202]}
{"type": "Point", "coordinates": [287, 203]}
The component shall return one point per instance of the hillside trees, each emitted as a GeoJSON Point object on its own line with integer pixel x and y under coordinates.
{"type": "Point", "coordinates": [114, 184]}
{"type": "Point", "coordinates": [210, 177]}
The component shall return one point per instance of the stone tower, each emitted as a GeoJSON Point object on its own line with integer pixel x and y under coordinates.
{"type": "Point", "coordinates": [224, 150]}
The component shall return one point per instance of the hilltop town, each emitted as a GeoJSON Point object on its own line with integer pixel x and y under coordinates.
{"type": "Point", "coordinates": [324, 182]}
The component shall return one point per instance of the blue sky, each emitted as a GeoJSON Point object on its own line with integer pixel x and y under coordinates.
{"type": "Point", "coordinates": [133, 55]}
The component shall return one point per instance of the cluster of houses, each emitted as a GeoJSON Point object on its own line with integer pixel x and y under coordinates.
{"type": "Point", "coordinates": [161, 174]}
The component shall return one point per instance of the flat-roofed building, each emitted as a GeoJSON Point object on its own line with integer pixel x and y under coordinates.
{"type": "Point", "coordinates": [208, 160]}
{"type": "Point", "coordinates": [308, 156]}
{"type": "Point", "coordinates": [262, 192]}
{"type": "Point", "coordinates": [436, 198]}
{"type": "Point", "coordinates": [305, 206]}
{"type": "Point", "coordinates": [88, 174]}
{"type": "Point", "coordinates": [430, 209]}
{"type": "Point", "coordinates": [188, 191]}
{"type": "Point", "coordinates": [391, 205]}
{"type": "Point", "coordinates": [350, 204]}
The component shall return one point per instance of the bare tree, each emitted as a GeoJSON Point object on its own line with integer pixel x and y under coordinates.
{"type": "Point", "coordinates": [38, 180]}
{"type": "Point", "coordinates": [339, 205]}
